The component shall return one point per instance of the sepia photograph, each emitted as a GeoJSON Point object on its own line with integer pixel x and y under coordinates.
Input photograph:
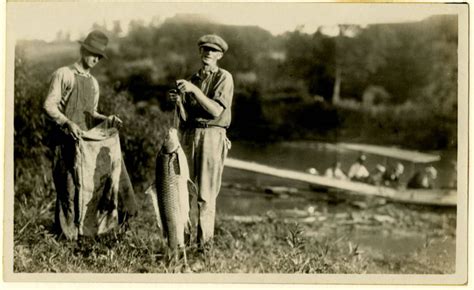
{"type": "Point", "coordinates": [176, 142]}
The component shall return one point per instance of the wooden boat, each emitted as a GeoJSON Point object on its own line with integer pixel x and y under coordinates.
{"type": "Point", "coordinates": [434, 197]}
{"type": "Point", "coordinates": [393, 152]}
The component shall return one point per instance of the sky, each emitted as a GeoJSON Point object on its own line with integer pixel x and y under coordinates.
{"type": "Point", "coordinates": [44, 20]}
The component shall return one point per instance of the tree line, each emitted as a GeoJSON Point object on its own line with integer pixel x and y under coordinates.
{"type": "Point", "coordinates": [281, 79]}
{"type": "Point", "coordinates": [392, 84]}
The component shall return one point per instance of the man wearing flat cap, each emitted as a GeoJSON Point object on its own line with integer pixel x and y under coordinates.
{"type": "Point", "coordinates": [71, 105]}
{"type": "Point", "coordinates": [207, 105]}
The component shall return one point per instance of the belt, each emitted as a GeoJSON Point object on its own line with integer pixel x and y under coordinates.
{"type": "Point", "coordinates": [204, 126]}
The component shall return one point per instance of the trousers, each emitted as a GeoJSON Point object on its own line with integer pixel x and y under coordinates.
{"type": "Point", "coordinates": [206, 150]}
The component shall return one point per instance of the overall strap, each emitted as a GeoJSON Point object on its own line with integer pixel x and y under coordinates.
{"type": "Point", "coordinates": [80, 105]}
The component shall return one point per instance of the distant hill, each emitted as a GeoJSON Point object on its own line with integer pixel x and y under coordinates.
{"type": "Point", "coordinates": [38, 51]}
{"type": "Point", "coordinates": [185, 29]}
{"type": "Point", "coordinates": [191, 18]}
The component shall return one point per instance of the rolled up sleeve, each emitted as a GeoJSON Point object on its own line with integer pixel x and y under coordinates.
{"type": "Point", "coordinates": [53, 100]}
{"type": "Point", "coordinates": [224, 90]}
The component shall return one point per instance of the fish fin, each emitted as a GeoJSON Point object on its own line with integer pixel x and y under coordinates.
{"type": "Point", "coordinates": [151, 191]}
{"type": "Point", "coordinates": [179, 163]}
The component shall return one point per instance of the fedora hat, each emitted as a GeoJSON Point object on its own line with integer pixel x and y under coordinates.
{"type": "Point", "coordinates": [96, 42]}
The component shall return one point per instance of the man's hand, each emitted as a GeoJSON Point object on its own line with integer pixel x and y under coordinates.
{"type": "Point", "coordinates": [114, 121]}
{"type": "Point", "coordinates": [74, 130]}
{"type": "Point", "coordinates": [174, 96]}
{"type": "Point", "coordinates": [211, 106]}
{"type": "Point", "coordinates": [186, 86]}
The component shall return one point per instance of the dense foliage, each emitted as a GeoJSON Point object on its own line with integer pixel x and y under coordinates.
{"type": "Point", "coordinates": [295, 85]}
{"type": "Point", "coordinates": [386, 83]}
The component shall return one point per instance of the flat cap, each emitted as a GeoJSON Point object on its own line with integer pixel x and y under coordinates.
{"type": "Point", "coordinates": [214, 41]}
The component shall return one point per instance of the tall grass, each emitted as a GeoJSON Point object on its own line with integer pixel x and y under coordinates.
{"type": "Point", "coordinates": [269, 245]}
{"type": "Point", "coordinates": [251, 248]}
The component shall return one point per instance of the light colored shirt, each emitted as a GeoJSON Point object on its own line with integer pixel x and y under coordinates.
{"type": "Point", "coordinates": [358, 170]}
{"type": "Point", "coordinates": [420, 180]}
{"type": "Point", "coordinates": [61, 85]}
{"type": "Point", "coordinates": [217, 85]}
{"type": "Point", "coordinates": [335, 173]}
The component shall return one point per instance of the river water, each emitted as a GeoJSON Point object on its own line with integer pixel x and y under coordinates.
{"type": "Point", "coordinates": [237, 199]}
{"type": "Point", "coordinates": [303, 155]}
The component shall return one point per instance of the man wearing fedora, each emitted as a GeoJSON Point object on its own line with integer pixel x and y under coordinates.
{"type": "Point", "coordinates": [71, 104]}
{"type": "Point", "coordinates": [207, 101]}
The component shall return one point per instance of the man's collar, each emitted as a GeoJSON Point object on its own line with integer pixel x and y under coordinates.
{"type": "Point", "coordinates": [80, 70]}
{"type": "Point", "coordinates": [206, 71]}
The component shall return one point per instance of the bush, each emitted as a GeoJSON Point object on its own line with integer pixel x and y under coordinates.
{"type": "Point", "coordinates": [409, 125]}
{"type": "Point", "coordinates": [142, 134]}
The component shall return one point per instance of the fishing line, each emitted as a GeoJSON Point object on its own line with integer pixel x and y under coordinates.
{"type": "Point", "coordinates": [175, 116]}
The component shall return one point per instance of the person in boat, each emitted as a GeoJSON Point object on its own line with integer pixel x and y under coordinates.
{"type": "Point", "coordinates": [423, 179]}
{"type": "Point", "coordinates": [335, 171]}
{"type": "Point", "coordinates": [358, 171]}
{"type": "Point", "coordinates": [392, 175]}
{"type": "Point", "coordinates": [312, 171]}
{"type": "Point", "coordinates": [376, 178]}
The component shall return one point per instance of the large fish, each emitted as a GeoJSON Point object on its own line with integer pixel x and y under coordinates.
{"type": "Point", "coordinates": [170, 193]}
